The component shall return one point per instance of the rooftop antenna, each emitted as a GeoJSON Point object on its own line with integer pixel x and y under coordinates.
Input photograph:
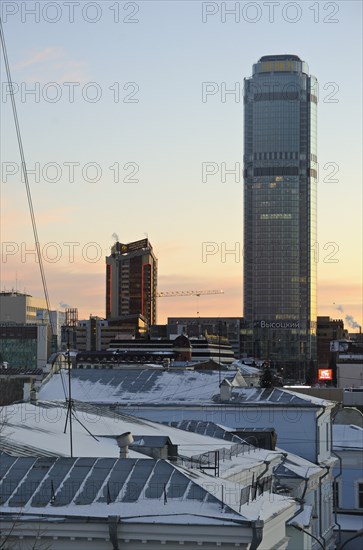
{"type": "Point", "coordinates": [69, 401]}
{"type": "Point", "coordinates": [69, 407]}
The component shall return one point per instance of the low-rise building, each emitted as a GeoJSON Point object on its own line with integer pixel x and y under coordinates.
{"type": "Point", "coordinates": [226, 327]}
{"type": "Point", "coordinates": [348, 357]}
{"type": "Point", "coordinates": [182, 394]}
{"type": "Point", "coordinates": [23, 309]}
{"type": "Point", "coordinates": [96, 334]}
{"type": "Point", "coordinates": [17, 307]}
{"type": "Point", "coordinates": [302, 424]}
{"type": "Point", "coordinates": [143, 350]}
{"type": "Point", "coordinates": [94, 497]}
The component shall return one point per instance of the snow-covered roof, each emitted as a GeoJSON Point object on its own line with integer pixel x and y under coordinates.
{"type": "Point", "coordinates": [138, 488]}
{"type": "Point", "coordinates": [246, 368]}
{"type": "Point", "coordinates": [159, 387]}
{"type": "Point", "coordinates": [135, 386]}
{"type": "Point", "coordinates": [292, 465]}
{"type": "Point", "coordinates": [303, 517]}
{"type": "Point", "coordinates": [347, 436]}
{"type": "Point", "coordinates": [296, 466]}
{"type": "Point", "coordinates": [39, 431]}
{"type": "Point", "coordinates": [206, 428]}
{"type": "Point", "coordinates": [277, 396]}
{"type": "Point", "coordinates": [89, 486]}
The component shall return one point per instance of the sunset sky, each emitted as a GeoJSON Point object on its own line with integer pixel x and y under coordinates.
{"type": "Point", "coordinates": [117, 132]}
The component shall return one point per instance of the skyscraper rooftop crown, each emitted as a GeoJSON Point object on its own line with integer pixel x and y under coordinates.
{"type": "Point", "coordinates": [284, 57]}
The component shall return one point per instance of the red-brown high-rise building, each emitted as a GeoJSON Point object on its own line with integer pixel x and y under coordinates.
{"type": "Point", "coordinates": [131, 280]}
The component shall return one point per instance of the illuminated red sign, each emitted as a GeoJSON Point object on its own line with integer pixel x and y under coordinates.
{"type": "Point", "coordinates": [325, 374]}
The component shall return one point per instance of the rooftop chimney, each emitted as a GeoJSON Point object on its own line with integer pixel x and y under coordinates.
{"type": "Point", "coordinates": [123, 441]}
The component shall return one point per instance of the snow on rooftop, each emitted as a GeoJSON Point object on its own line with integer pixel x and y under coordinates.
{"type": "Point", "coordinates": [98, 487]}
{"type": "Point", "coordinates": [310, 398]}
{"type": "Point", "coordinates": [158, 387]}
{"type": "Point", "coordinates": [295, 465]}
{"type": "Point", "coordinates": [246, 368]}
{"type": "Point", "coordinates": [266, 506]}
{"type": "Point", "coordinates": [135, 386]}
{"type": "Point", "coordinates": [42, 427]}
{"type": "Point", "coordinates": [303, 517]}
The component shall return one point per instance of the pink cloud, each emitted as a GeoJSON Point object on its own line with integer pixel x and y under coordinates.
{"type": "Point", "coordinates": [47, 54]}
{"type": "Point", "coordinates": [53, 64]}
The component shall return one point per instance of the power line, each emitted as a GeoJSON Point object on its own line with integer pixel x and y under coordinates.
{"type": "Point", "coordinates": [25, 172]}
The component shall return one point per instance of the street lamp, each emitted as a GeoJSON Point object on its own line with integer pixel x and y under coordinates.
{"type": "Point", "coordinates": [299, 527]}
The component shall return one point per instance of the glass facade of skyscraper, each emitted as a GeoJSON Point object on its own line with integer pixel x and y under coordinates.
{"type": "Point", "coordinates": [280, 171]}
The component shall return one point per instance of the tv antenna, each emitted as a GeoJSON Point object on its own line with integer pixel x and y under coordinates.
{"type": "Point", "coordinates": [69, 401]}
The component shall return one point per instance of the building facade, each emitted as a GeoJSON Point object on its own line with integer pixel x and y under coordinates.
{"type": "Point", "coordinates": [24, 309]}
{"type": "Point", "coordinates": [96, 334]}
{"type": "Point", "coordinates": [131, 280]}
{"type": "Point", "coordinates": [16, 307]}
{"type": "Point", "coordinates": [144, 350]}
{"type": "Point", "coordinates": [327, 330]}
{"type": "Point", "coordinates": [348, 362]}
{"type": "Point", "coordinates": [227, 327]}
{"type": "Point", "coordinates": [280, 249]}
{"type": "Point", "coordinates": [25, 345]}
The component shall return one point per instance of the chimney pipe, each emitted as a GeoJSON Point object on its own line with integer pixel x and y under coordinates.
{"type": "Point", "coordinates": [123, 441]}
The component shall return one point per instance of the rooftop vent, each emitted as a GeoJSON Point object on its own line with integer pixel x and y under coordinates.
{"type": "Point", "coordinates": [123, 441]}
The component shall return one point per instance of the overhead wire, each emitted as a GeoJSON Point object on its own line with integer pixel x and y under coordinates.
{"type": "Point", "coordinates": [25, 173]}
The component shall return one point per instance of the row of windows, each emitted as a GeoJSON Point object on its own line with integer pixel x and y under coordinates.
{"type": "Point", "coordinates": [275, 216]}
{"type": "Point", "coordinates": [359, 493]}
{"type": "Point", "coordinates": [285, 95]}
{"type": "Point", "coordinates": [276, 171]}
{"type": "Point", "coordinates": [290, 155]}
{"type": "Point", "coordinates": [35, 309]}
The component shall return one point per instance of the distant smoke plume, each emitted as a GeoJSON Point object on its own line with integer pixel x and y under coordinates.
{"type": "Point", "coordinates": [351, 322]}
{"type": "Point", "coordinates": [63, 305]}
{"type": "Point", "coordinates": [115, 236]}
{"type": "Point", "coordinates": [349, 319]}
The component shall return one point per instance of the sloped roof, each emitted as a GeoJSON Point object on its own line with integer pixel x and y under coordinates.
{"type": "Point", "coordinates": [293, 465]}
{"type": "Point", "coordinates": [159, 387]}
{"type": "Point", "coordinates": [296, 466]}
{"type": "Point", "coordinates": [246, 368]}
{"type": "Point", "coordinates": [277, 396]}
{"type": "Point", "coordinates": [135, 386]}
{"type": "Point", "coordinates": [52, 484]}
{"type": "Point", "coordinates": [206, 428]}
{"type": "Point", "coordinates": [39, 430]}
{"type": "Point", "coordinates": [132, 488]}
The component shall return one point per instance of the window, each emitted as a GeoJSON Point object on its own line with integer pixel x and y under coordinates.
{"type": "Point", "coordinates": [335, 495]}
{"type": "Point", "coordinates": [360, 495]}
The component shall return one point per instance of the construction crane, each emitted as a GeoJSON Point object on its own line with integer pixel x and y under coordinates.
{"type": "Point", "coordinates": [175, 293]}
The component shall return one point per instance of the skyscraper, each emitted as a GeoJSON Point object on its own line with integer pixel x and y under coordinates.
{"type": "Point", "coordinates": [280, 160]}
{"type": "Point", "coordinates": [131, 280]}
